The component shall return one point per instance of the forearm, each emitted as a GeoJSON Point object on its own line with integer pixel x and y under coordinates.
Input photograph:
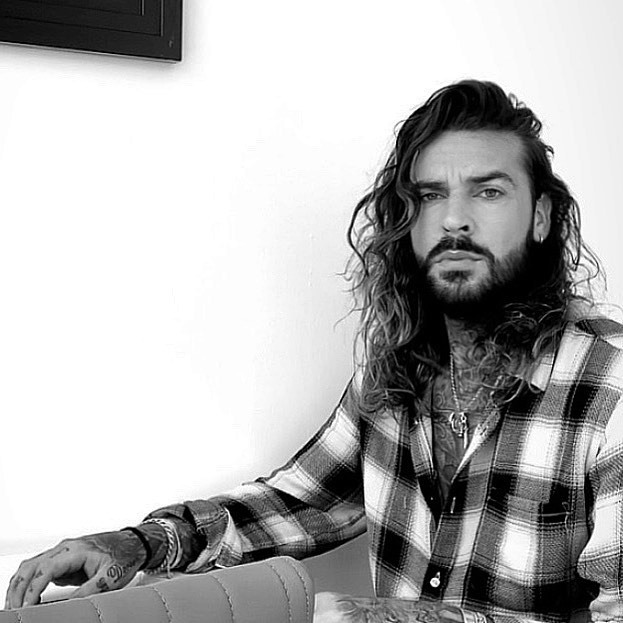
{"type": "Point", "coordinates": [375, 610]}
{"type": "Point", "coordinates": [256, 520]}
{"type": "Point", "coordinates": [335, 608]}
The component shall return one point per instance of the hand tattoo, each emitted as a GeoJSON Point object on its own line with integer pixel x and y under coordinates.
{"type": "Point", "coordinates": [115, 572]}
{"type": "Point", "coordinates": [60, 551]}
{"type": "Point", "coordinates": [102, 585]}
{"type": "Point", "coordinates": [122, 547]}
{"type": "Point", "coordinates": [370, 610]}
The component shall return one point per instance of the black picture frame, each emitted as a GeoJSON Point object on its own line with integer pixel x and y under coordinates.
{"type": "Point", "coordinates": [142, 28]}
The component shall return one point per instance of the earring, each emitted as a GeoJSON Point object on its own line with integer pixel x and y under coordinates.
{"type": "Point", "coordinates": [540, 239]}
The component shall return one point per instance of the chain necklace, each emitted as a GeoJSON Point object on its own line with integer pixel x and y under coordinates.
{"type": "Point", "coordinates": [458, 418]}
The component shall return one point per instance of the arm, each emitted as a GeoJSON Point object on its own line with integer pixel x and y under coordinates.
{"type": "Point", "coordinates": [601, 561]}
{"type": "Point", "coordinates": [335, 608]}
{"type": "Point", "coordinates": [309, 505]}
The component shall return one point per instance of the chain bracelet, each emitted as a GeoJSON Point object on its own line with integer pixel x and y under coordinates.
{"type": "Point", "coordinates": [174, 552]}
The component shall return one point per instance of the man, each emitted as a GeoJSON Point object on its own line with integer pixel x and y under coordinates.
{"type": "Point", "coordinates": [480, 442]}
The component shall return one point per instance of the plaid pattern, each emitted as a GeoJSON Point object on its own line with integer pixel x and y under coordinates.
{"type": "Point", "coordinates": [532, 528]}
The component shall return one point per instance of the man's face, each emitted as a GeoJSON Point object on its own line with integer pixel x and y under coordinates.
{"type": "Point", "coordinates": [477, 214]}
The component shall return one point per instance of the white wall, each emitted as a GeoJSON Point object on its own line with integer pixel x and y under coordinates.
{"type": "Point", "coordinates": [170, 235]}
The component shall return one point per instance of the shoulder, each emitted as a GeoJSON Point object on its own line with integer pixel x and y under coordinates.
{"type": "Point", "coordinates": [585, 381]}
{"type": "Point", "coordinates": [591, 352]}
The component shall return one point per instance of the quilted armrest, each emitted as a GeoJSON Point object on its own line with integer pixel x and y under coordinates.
{"type": "Point", "coordinates": [272, 591]}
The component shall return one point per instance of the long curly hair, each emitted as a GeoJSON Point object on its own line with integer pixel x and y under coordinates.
{"type": "Point", "coordinates": [402, 341]}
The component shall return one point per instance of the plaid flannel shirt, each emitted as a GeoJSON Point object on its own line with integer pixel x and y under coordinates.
{"type": "Point", "coordinates": [532, 527]}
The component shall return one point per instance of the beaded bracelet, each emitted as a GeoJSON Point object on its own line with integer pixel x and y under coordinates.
{"type": "Point", "coordinates": [174, 553]}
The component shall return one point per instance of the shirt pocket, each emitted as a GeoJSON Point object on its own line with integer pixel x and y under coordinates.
{"type": "Point", "coordinates": [532, 536]}
{"type": "Point", "coordinates": [532, 511]}
{"type": "Point", "coordinates": [522, 552]}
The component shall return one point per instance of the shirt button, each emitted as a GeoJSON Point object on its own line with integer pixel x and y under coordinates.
{"type": "Point", "coordinates": [435, 581]}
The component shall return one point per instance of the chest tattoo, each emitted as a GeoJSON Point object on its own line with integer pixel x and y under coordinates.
{"type": "Point", "coordinates": [448, 447]}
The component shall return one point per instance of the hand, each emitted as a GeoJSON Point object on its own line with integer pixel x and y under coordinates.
{"type": "Point", "coordinates": [337, 608]}
{"type": "Point", "coordinates": [96, 563]}
{"type": "Point", "coordinates": [328, 608]}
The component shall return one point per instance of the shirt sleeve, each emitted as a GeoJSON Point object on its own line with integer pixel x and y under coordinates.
{"type": "Point", "coordinates": [601, 561]}
{"type": "Point", "coordinates": [310, 505]}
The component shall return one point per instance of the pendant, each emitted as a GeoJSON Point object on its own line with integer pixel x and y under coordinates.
{"type": "Point", "coordinates": [458, 424]}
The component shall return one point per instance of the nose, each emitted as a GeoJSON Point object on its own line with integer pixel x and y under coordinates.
{"type": "Point", "coordinates": [457, 217]}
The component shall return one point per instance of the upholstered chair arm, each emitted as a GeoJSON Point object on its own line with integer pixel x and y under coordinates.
{"type": "Point", "coordinates": [278, 590]}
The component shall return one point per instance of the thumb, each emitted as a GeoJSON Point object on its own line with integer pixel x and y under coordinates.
{"type": "Point", "coordinates": [107, 577]}
{"type": "Point", "coordinates": [97, 584]}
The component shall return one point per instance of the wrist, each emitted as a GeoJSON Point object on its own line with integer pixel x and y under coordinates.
{"type": "Point", "coordinates": [173, 554]}
{"type": "Point", "coordinates": [183, 545]}
{"type": "Point", "coordinates": [143, 551]}
{"type": "Point", "coordinates": [157, 544]}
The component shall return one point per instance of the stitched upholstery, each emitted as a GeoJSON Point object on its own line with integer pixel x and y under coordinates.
{"type": "Point", "coordinates": [278, 590]}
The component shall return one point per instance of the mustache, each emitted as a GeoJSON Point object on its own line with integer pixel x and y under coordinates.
{"type": "Point", "coordinates": [448, 243]}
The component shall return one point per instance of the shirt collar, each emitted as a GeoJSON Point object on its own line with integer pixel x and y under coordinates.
{"type": "Point", "coordinates": [541, 373]}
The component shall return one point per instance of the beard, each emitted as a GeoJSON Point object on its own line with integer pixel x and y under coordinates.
{"type": "Point", "coordinates": [459, 295]}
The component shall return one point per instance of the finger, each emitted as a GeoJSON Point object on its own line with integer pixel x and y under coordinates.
{"type": "Point", "coordinates": [35, 574]}
{"type": "Point", "coordinates": [19, 583]}
{"type": "Point", "coordinates": [108, 578]}
{"type": "Point", "coordinates": [38, 583]}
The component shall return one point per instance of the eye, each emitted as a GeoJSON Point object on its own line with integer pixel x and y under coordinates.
{"type": "Point", "coordinates": [490, 193]}
{"type": "Point", "coordinates": [428, 197]}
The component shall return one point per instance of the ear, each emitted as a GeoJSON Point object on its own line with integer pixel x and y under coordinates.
{"type": "Point", "coordinates": [542, 219]}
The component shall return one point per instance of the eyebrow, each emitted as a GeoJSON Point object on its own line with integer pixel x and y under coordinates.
{"type": "Point", "coordinates": [475, 179]}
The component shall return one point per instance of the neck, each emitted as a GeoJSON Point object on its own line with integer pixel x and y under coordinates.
{"type": "Point", "coordinates": [475, 361]}
{"type": "Point", "coordinates": [463, 338]}
{"type": "Point", "coordinates": [474, 368]}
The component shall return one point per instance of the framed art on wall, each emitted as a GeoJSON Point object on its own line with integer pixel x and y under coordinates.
{"type": "Point", "coordinates": [144, 28]}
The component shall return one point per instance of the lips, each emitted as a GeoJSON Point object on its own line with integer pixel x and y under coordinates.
{"type": "Point", "coordinates": [457, 255]}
